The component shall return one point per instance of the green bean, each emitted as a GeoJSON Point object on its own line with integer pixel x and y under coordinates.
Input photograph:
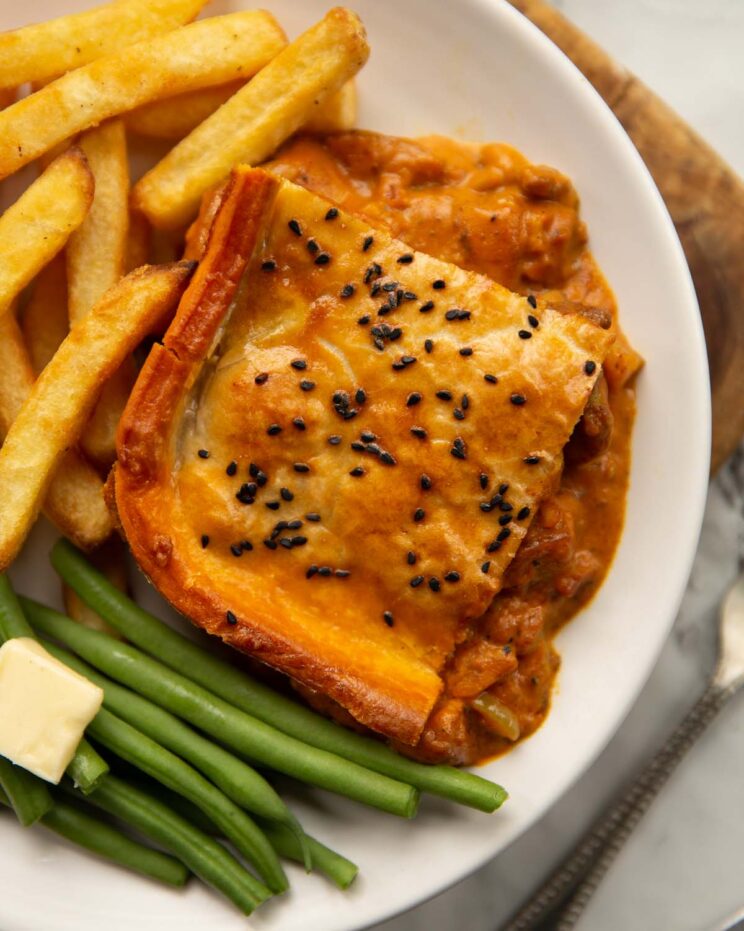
{"type": "Point", "coordinates": [28, 795]}
{"type": "Point", "coordinates": [95, 835]}
{"type": "Point", "coordinates": [337, 868]}
{"type": "Point", "coordinates": [235, 686]}
{"type": "Point", "coordinates": [87, 766]}
{"type": "Point", "coordinates": [237, 780]}
{"type": "Point", "coordinates": [249, 737]}
{"type": "Point", "coordinates": [135, 747]}
{"type": "Point", "coordinates": [206, 858]}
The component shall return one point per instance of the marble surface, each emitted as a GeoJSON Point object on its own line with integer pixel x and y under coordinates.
{"type": "Point", "coordinates": [681, 870]}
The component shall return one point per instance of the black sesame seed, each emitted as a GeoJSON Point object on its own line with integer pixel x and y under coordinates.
{"type": "Point", "coordinates": [269, 544]}
{"type": "Point", "coordinates": [358, 447]}
{"type": "Point", "coordinates": [205, 541]}
{"type": "Point", "coordinates": [325, 571]}
{"type": "Point", "coordinates": [531, 460]}
{"type": "Point", "coordinates": [493, 546]}
{"type": "Point", "coordinates": [425, 482]}
{"type": "Point", "coordinates": [496, 500]}
{"type": "Point", "coordinates": [418, 515]}
{"type": "Point", "coordinates": [518, 400]}
{"type": "Point", "coordinates": [374, 271]}
{"type": "Point", "coordinates": [444, 395]}
{"type": "Point", "coordinates": [466, 351]}
{"type": "Point", "coordinates": [244, 495]}
{"type": "Point", "coordinates": [236, 549]}
{"type": "Point", "coordinates": [286, 494]}
{"type": "Point", "coordinates": [332, 213]}
{"type": "Point", "coordinates": [486, 507]}
{"type": "Point", "coordinates": [306, 385]}
{"type": "Point", "coordinates": [408, 296]}
{"type": "Point", "coordinates": [413, 399]}
{"type": "Point", "coordinates": [533, 321]}
{"type": "Point", "coordinates": [429, 345]}
{"type": "Point", "coordinates": [299, 364]}
{"type": "Point", "coordinates": [523, 514]}
{"type": "Point", "coordinates": [253, 470]}
{"type": "Point", "coordinates": [312, 246]}
{"type": "Point", "coordinates": [427, 307]}
{"type": "Point", "coordinates": [525, 334]}
{"type": "Point", "coordinates": [301, 467]}
{"type": "Point", "coordinates": [231, 619]}
{"type": "Point", "coordinates": [363, 320]}
{"type": "Point", "coordinates": [322, 259]}
{"type": "Point", "coordinates": [439, 285]}
{"type": "Point", "coordinates": [286, 543]}
{"type": "Point", "coordinates": [434, 584]}
{"type": "Point", "coordinates": [294, 524]}
{"type": "Point", "coordinates": [367, 436]}
{"type": "Point", "coordinates": [379, 344]}
{"type": "Point", "coordinates": [458, 451]}
{"type": "Point", "coordinates": [505, 506]}
{"type": "Point", "coordinates": [457, 314]}
{"type": "Point", "coordinates": [458, 414]}
{"type": "Point", "coordinates": [261, 478]}
{"type": "Point", "coordinates": [335, 439]}
{"type": "Point", "coordinates": [419, 433]}
{"type": "Point", "coordinates": [232, 468]}
{"type": "Point", "coordinates": [390, 286]}
{"type": "Point", "coordinates": [416, 581]}
{"type": "Point", "coordinates": [311, 571]}
{"type": "Point", "coordinates": [485, 566]}
{"type": "Point", "coordinates": [590, 367]}
{"type": "Point", "coordinates": [299, 423]}
{"type": "Point", "coordinates": [387, 616]}
{"type": "Point", "coordinates": [262, 378]}
{"type": "Point", "coordinates": [375, 289]}
{"type": "Point", "coordinates": [388, 458]}
{"type": "Point", "coordinates": [452, 576]}
{"type": "Point", "coordinates": [313, 516]}
{"type": "Point", "coordinates": [503, 534]}
{"type": "Point", "coordinates": [491, 379]}
{"type": "Point", "coordinates": [505, 519]}
{"type": "Point", "coordinates": [274, 429]}
{"type": "Point", "coordinates": [268, 266]}
{"type": "Point", "coordinates": [532, 300]}
{"type": "Point", "coordinates": [405, 259]}
{"type": "Point", "coordinates": [411, 558]}
{"type": "Point", "coordinates": [368, 240]}
{"type": "Point", "coordinates": [203, 454]}
{"type": "Point", "coordinates": [372, 448]}
{"type": "Point", "coordinates": [347, 290]}
{"type": "Point", "coordinates": [246, 545]}
{"type": "Point", "coordinates": [298, 541]}
{"type": "Point", "coordinates": [272, 505]}
{"type": "Point", "coordinates": [251, 488]}
{"type": "Point", "coordinates": [451, 314]}
{"type": "Point", "coordinates": [342, 573]}
{"type": "Point", "coordinates": [360, 396]}
{"type": "Point", "coordinates": [294, 225]}
{"type": "Point", "coordinates": [357, 472]}
{"type": "Point", "coordinates": [503, 488]}
{"type": "Point", "coordinates": [483, 480]}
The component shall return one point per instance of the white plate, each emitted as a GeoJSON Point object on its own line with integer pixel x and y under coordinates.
{"type": "Point", "coordinates": [477, 69]}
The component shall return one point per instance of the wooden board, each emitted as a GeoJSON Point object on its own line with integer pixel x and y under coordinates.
{"type": "Point", "coordinates": [705, 198]}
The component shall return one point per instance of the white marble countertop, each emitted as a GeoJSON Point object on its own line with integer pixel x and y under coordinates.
{"type": "Point", "coordinates": [681, 870]}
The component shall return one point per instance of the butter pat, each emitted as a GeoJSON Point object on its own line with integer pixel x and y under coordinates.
{"type": "Point", "coordinates": [44, 708]}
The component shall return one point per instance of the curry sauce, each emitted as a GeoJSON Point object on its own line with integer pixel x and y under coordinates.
{"type": "Point", "coordinates": [487, 209]}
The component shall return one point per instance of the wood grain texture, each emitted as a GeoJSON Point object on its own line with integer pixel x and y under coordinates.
{"type": "Point", "coordinates": [705, 198]}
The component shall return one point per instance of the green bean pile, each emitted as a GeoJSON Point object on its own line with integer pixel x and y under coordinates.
{"type": "Point", "coordinates": [164, 698]}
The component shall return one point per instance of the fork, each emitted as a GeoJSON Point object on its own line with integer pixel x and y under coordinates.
{"type": "Point", "coordinates": [558, 904]}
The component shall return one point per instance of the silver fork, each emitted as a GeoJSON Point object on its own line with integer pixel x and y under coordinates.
{"type": "Point", "coordinates": [561, 900]}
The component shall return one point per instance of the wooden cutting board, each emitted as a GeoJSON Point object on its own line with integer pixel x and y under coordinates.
{"type": "Point", "coordinates": [705, 198]}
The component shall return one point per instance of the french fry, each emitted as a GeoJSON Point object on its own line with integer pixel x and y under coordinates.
{"type": "Point", "coordinates": [7, 96]}
{"type": "Point", "coordinates": [96, 251]}
{"type": "Point", "coordinates": [202, 54]}
{"type": "Point", "coordinates": [336, 114]}
{"type": "Point", "coordinates": [255, 120]}
{"type": "Point", "coordinates": [61, 399]}
{"type": "Point", "coordinates": [44, 50]}
{"type": "Point", "coordinates": [74, 500]}
{"type": "Point", "coordinates": [44, 321]}
{"type": "Point", "coordinates": [39, 223]}
{"type": "Point", "coordinates": [110, 560]}
{"type": "Point", "coordinates": [175, 117]}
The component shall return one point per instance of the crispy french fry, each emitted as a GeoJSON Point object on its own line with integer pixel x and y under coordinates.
{"type": "Point", "coordinates": [336, 114]}
{"type": "Point", "coordinates": [74, 500]}
{"type": "Point", "coordinates": [255, 120]}
{"type": "Point", "coordinates": [202, 54]}
{"type": "Point", "coordinates": [138, 241]}
{"type": "Point", "coordinates": [175, 117]}
{"type": "Point", "coordinates": [44, 321]}
{"type": "Point", "coordinates": [39, 223]}
{"type": "Point", "coordinates": [44, 50]}
{"type": "Point", "coordinates": [60, 401]}
{"type": "Point", "coordinates": [96, 250]}
{"type": "Point", "coordinates": [109, 559]}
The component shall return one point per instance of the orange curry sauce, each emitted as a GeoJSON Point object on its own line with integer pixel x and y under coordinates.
{"type": "Point", "coordinates": [486, 208]}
